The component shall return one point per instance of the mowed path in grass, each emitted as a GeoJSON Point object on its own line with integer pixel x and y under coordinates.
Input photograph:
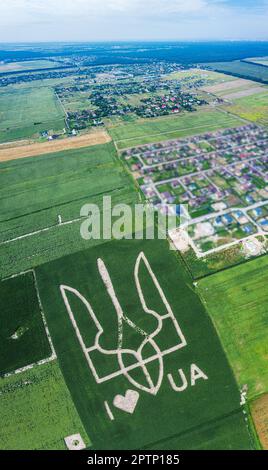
{"type": "Point", "coordinates": [170, 127]}
{"type": "Point", "coordinates": [205, 403]}
{"type": "Point", "coordinates": [26, 111]}
{"type": "Point", "coordinates": [237, 301]}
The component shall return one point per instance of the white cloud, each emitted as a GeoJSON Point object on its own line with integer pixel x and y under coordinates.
{"type": "Point", "coordinates": [127, 19]}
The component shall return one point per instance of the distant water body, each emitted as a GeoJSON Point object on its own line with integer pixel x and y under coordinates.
{"type": "Point", "coordinates": [126, 52]}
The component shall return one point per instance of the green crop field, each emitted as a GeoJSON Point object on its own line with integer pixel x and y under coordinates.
{"type": "Point", "coordinates": [254, 108]}
{"type": "Point", "coordinates": [23, 338]}
{"type": "Point", "coordinates": [36, 411]}
{"type": "Point", "coordinates": [26, 111]}
{"type": "Point", "coordinates": [196, 74]}
{"type": "Point", "coordinates": [36, 191]}
{"type": "Point", "coordinates": [156, 130]}
{"type": "Point", "coordinates": [242, 319]}
{"type": "Point", "coordinates": [242, 69]}
{"type": "Point", "coordinates": [135, 345]}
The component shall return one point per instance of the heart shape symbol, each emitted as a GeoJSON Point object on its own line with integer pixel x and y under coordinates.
{"type": "Point", "coordinates": [128, 402]}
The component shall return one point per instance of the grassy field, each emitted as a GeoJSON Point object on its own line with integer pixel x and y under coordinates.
{"type": "Point", "coordinates": [24, 112]}
{"type": "Point", "coordinates": [242, 320]}
{"type": "Point", "coordinates": [156, 130]}
{"type": "Point", "coordinates": [259, 413]}
{"type": "Point", "coordinates": [259, 60]}
{"type": "Point", "coordinates": [36, 411]}
{"type": "Point", "coordinates": [213, 395]}
{"type": "Point", "coordinates": [23, 338]}
{"type": "Point", "coordinates": [222, 435]}
{"type": "Point", "coordinates": [197, 74]}
{"type": "Point", "coordinates": [242, 69]}
{"type": "Point", "coordinates": [35, 191]}
{"type": "Point", "coordinates": [27, 65]}
{"type": "Point", "coordinates": [254, 108]}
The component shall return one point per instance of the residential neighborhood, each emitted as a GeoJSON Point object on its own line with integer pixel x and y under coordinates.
{"type": "Point", "coordinates": [221, 178]}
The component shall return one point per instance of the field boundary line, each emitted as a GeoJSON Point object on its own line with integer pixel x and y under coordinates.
{"type": "Point", "coordinates": [205, 425]}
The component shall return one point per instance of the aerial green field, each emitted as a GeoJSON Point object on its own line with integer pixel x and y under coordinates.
{"type": "Point", "coordinates": [36, 191]}
{"type": "Point", "coordinates": [254, 108]}
{"type": "Point", "coordinates": [242, 320]}
{"type": "Point", "coordinates": [25, 111]}
{"type": "Point", "coordinates": [259, 60]}
{"type": "Point", "coordinates": [23, 339]}
{"type": "Point", "coordinates": [135, 344]}
{"type": "Point", "coordinates": [221, 435]}
{"type": "Point", "coordinates": [36, 411]}
{"type": "Point", "coordinates": [242, 69]}
{"type": "Point", "coordinates": [156, 130]}
{"type": "Point", "coordinates": [197, 74]}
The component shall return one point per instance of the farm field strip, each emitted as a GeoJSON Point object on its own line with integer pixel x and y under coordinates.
{"type": "Point", "coordinates": [253, 108]}
{"type": "Point", "coordinates": [207, 172]}
{"type": "Point", "coordinates": [37, 411]}
{"type": "Point", "coordinates": [246, 70]}
{"type": "Point", "coordinates": [132, 135]}
{"type": "Point", "coordinates": [259, 412]}
{"type": "Point", "coordinates": [36, 149]}
{"type": "Point", "coordinates": [121, 308]}
{"type": "Point", "coordinates": [241, 321]}
{"type": "Point", "coordinates": [48, 226]}
{"type": "Point", "coordinates": [25, 338]}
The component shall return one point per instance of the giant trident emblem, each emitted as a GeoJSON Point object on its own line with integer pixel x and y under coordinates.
{"type": "Point", "coordinates": [121, 353]}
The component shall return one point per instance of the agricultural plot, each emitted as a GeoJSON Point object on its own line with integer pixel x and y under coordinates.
{"type": "Point", "coordinates": [259, 412]}
{"type": "Point", "coordinates": [41, 199]}
{"type": "Point", "coordinates": [258, 60]}
{"type": "Point", "coordinates": [242, 69]}
{"type": "Point", "coordinates": [37, 412]}
{"type": "Point", "coordinates": [27, 65]}
{"type": "Point", "coordinates": [13, 152]}
{"type": "Point", "coordinates": [23, 339]}
{"type": "Point", "coordinates": [157, 130]}
{"type": "Point", "coordinates": [135, 344]}
{"type": "Point", "coordinates": [27, 111]}
{"type": "Point", "coordinates": [221, 435]}
{"type": "Point", "coordinates": [235, 89]}
{"type": "Point", "coordinates": [241, 320]}
{"type": "Point", "coordinates": [253, 108]}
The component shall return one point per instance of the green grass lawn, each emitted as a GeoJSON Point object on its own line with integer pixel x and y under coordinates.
{"type": "Point", "coordinates": [184, 411]}
{"type": "Point", "coordinates": [36, 411]}
{"type": "Point", "coordinates": [155, 130]}
{"type": "Point", "coordinates": [26, 111]}
{"type": "Point", "coordinates": [23, 338]}
{"type": "Point", "coordinates": [236, 300]}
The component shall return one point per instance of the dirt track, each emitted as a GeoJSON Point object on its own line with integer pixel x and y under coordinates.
{"type": "Point", "coordinates": [17, 150]}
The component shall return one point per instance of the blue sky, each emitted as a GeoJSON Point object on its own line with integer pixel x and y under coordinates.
{"type": "Point", "coordinates": [89, 20]}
